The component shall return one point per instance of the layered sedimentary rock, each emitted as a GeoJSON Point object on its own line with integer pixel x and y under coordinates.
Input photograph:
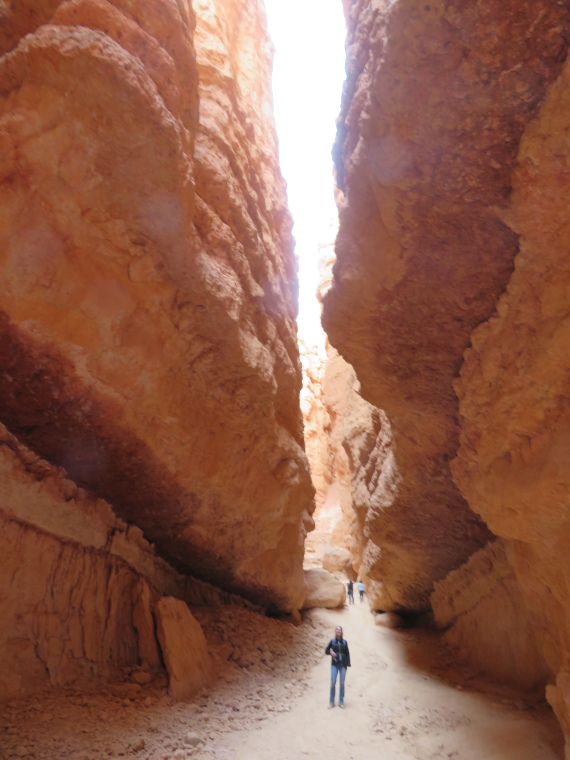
{"type": "Point", "coordinates": [80, 587]}
{"type": "Point", "coordinates": [488, 622]}
{"type": "Point", "coordinates": [437, 98]}
{"type": "Point", "coordinates": [367, 441]}
{"type": "Point", "coordinates": [148, 343]}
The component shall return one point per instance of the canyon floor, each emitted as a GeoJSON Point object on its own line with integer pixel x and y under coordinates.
{"type": "Point", "coordinates": [404, 699]}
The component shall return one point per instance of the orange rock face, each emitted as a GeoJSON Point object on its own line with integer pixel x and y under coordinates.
{"type": "Point", "coordinates": [79, 586]}
{"type": "Point", "coordinates": [184, 648]}
{"type": "Point", "coordinates": [349, 445]}
{"type": "Point", "coordinates": [512, 464]}
{"type": "Point", "coordinates": [329, 471]}
{"type": "Point", "coordinates": [489, 624]}
{"type": "Point", "coordinates": [450, 299]}
{"type": "Point", "coordinates": [148, 342]}
{"type": "Point", "coordinates": [435, 104]}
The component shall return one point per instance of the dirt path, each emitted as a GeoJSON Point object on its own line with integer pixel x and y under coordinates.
{"type": "Point", "coordinates": [270, 702]}
{"type": "Point", "coordinates": [397, 709]}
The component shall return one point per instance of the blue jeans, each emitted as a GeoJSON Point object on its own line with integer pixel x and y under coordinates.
{"type": "Point", "coordinates": [335, 670]}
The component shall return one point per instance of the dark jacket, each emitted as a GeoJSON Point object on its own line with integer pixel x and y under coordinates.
{"type": "Point", "coordinates": [341, 648]}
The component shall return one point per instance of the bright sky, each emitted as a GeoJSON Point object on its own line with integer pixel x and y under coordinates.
{"type": "Point", "coordinates": [308, 74]}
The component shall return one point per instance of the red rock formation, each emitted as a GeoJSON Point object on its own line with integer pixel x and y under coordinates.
{"type": "Point", "coordinates": [452, 260]}
{"type": "Point", "coordinates": [323, 590]}
{"type": "Point", "coordinates": [148, 342]}
{"type": "Point", "coordinates": [436, 101]}
{"type": "Point", "coordinates": [79, 586]}
{"type": "Point", "coordinates": [512, 464]}
{"type": "Point", "coordinates": [184, 647]}
{"type": "Point", "coordinates": [349, 446]}
{"type": "Point", "coordinates": [366, 440]}
{"type": "Point", "coordinates": [490, 626]}
{"type": "Point", "coordinates": [329, 473]}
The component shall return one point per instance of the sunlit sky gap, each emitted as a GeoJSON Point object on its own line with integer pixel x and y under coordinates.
{"type": "Point", "coordinates": [307, 82]}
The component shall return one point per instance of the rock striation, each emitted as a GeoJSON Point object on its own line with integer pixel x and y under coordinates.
{"type": "Point", "coordinates": [148, 338]}
{"type": "Point", "coordinates": [487, 621]}
{"type": "Point", "coordinates": [436, 101]}
{"type": "Point", "coordinates": [80, 587]}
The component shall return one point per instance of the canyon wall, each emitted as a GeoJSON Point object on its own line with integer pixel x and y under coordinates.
{"type": "Point", "coordinates": [148, 282]}
{"type": "Point", "coordinates": [512, 463]}
{"type": "Point", "coordinates": [81, 590]}
{"type": "Point", "coordinates": [450, 298]}
{"type": "Point", "coordinates": [326, 378]}
{"type": "Point", "coordinates": [349, 446]}
{"type": "Point", "coordinates": [436, 101]}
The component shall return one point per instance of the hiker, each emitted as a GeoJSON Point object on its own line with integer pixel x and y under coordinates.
{"type": "Point", "coordinates": [350, 587]}
{"type": "Point", "coordinates": [340, 661]}
{"type": "Point", "coordinates": [360, 587]}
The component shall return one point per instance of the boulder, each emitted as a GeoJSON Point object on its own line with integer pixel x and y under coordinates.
{"type": "Point", "coordinates": [184, 648]}
{"type": "Point", "coordinates": [335, 558]}
{"type": "Point", "coordinates": [323, 590]}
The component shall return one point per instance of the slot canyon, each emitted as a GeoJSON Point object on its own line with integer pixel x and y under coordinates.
{"type": "Point", "coordinates": [187, 484]}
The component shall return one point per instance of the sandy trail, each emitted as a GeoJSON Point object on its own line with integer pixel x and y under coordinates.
{"type": "Point", "coordinates": [403, 699]}
{"type": "Point", "coordinates": [397, 708]}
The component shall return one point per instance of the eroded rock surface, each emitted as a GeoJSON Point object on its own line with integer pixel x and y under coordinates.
{"type": "Point", "coordinates": [436, 101]}
{"type": "Point", "coordinates": [79, 586]}
{"type": "Point", "coordinates": [490, 627]}
{"type": "Point", "coordinates": [148, 343]}
{"type": "Point", "coordinates": [323, 590]}
{"type": "Point", "coordinates": [349, 445]}
{"type": "Point", "coordinates": [452, 261]}
{"type": "Point", "coordinates": [512, 464]}
{"type": "Point", "coordinates": [183, 647]}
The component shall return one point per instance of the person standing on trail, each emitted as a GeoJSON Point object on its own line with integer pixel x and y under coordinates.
{"type": "Point", "coordinates": [340, 661]}
{"type": "Point", "coordinates": [350, 587]}
{"type": "Point", "coordinates": [360, 587]}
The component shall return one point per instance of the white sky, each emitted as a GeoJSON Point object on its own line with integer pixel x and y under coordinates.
{"type": "Point", "coordinates": [307, 81]}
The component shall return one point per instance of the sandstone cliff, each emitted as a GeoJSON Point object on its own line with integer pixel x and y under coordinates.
{"type": "Point", "coordinates": [512, 463]}
{"type": "Point", "coordinates": [435, 104]}
{"type": "Point", "coordinates": [80, 587]}
{"type": "Point", "coordinates": [148, 283]}
{"type": "Point", "coordinates": [349, 446]}
{"type": "Point", "coordinates": [450, 299]}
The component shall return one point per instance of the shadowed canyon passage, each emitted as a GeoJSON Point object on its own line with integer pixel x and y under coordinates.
{"type": "Point", "coordinates": [160, 478]}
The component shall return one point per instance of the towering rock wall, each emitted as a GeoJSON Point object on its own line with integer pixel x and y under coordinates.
{"type": "Point", "coordinates": [437, 98]}
{"type": "Point", "coordinates": [148, 341]}
{"type": "Point", "coordinates": [450, 299]}
{"type": "Point", "coordinates": [512, 464]}
{"type": "Point", "coordinates": [349, 446]}
{"type": "Point", "coordinates": [328, 386]}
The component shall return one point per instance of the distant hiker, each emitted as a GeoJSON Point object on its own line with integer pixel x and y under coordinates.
{"type": "Point", "coordinates": [350, 587]}
{"type": "Point", "coordinates": [338, 650]}
{"type": "Point", "coordinates": [360, 587]}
